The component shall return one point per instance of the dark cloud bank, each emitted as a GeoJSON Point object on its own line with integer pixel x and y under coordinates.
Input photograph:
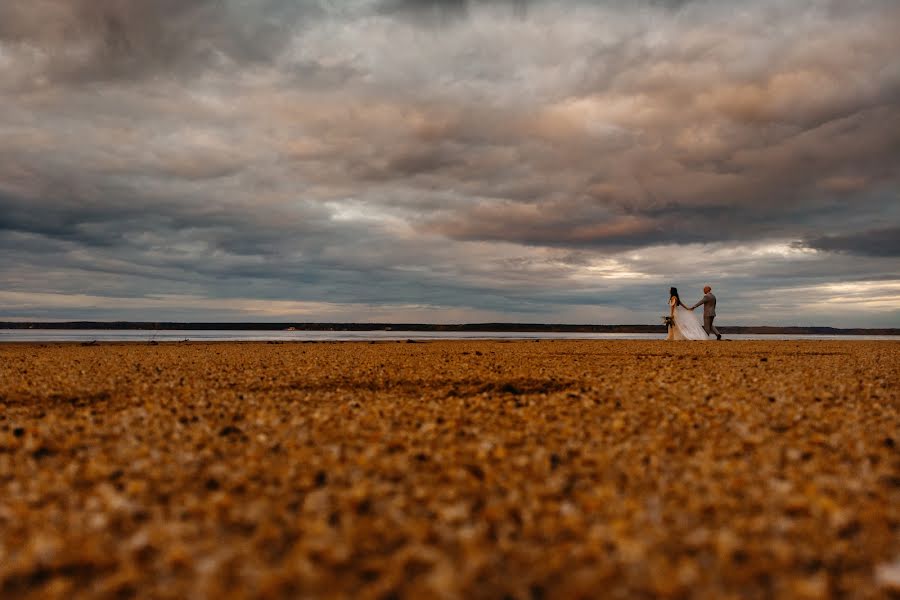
{"type": "Point", "coordinates": [457, 160]}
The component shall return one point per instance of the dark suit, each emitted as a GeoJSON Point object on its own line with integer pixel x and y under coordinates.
{"type": "Point", "coordinates": [709, 313]}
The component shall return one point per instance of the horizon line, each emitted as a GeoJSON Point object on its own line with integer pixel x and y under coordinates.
{"type": "Point", "coordinates": [505, 325]}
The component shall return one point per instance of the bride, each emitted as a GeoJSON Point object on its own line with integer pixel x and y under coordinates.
{"type": "Point", "coordinates": [685, 325]}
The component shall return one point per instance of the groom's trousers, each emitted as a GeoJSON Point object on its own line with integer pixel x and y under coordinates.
{"type": "Point", "coordinates": [708, 326]}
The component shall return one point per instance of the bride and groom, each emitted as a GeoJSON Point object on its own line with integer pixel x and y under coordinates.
{"type": "Point", "coordinates": [683, 325]}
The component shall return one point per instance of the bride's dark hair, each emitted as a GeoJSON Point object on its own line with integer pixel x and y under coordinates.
{"type": "Point", "coordinates": [674, 292]}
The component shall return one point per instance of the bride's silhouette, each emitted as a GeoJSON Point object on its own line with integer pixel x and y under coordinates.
{"type": "Point", "coordinates": [684, 325]}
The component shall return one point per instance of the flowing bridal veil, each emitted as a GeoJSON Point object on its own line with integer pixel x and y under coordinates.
{"type": "Point", "coordinates": [687, 326]}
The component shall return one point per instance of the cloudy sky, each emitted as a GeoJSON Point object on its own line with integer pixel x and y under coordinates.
{"type": "Point", "coordinates": [449, 161]}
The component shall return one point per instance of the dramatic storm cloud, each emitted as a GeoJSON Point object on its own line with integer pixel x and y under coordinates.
{"type": "Point", "coordinates": [399, 160]}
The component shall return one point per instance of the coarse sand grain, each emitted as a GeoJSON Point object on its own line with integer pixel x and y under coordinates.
{"type": "Point", "coordinates": [457, 469]}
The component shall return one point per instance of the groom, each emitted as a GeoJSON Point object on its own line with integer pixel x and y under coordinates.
{"type": "Point", "coordinates": [709, 312]}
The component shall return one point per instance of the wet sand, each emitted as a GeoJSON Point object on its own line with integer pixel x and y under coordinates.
{"type": "Point", "coordinates": [558, 469]}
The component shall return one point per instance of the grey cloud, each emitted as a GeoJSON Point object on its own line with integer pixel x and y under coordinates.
{"type": "Point", "coordinates": [440, 10]}
{"type": "Point", "coordinates": [877, 242]}
{"type": "Point", "coordinates": [424, 7]}
{"type": "Point", "coordinates": [162, 246]}
{"type": "Point", "coordinates": [443, 12]}
{"type": "Point", "coordinates": [100, 40]}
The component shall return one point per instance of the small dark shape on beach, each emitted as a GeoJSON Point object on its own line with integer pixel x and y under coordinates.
{"type": "Point", "coordinates": [509, 388]}
{"type": "Point", "coordinates": [476, 472]}
{"type": "Point", "coordinates": [42, 452]}
{"type": "Point", "coordinates": [230, 430]}
{"type": "Point", "coordinates": [91, 343]}
{"type": "Point", "coordinates": [850, 530]}
{"type": "Point", "coordinates": [321, 478]}
{"type": "Point", "coordinates": [364, 507]}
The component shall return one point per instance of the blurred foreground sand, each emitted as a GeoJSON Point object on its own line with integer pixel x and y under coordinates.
{"type": "Point", "coordinates": [552, 469]}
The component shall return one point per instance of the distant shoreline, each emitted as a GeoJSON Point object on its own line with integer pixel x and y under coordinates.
{"type": "Point", "coordinates": [402, 327]}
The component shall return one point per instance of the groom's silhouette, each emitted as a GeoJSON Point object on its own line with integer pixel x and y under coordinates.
{"type": "Point", "coordinates": [709, 312]}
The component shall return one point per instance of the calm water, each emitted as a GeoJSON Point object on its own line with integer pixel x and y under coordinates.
{"type": "Point", "coordinates": [106, 335]}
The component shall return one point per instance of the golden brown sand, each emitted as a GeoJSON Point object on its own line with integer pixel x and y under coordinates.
{"type": "Point", "coordinates": [451, 470]}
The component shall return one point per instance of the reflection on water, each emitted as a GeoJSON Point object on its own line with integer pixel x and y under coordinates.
{"type": "Point", "coordinates": [108, 335]}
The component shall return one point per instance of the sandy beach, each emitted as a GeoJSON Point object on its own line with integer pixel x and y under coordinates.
{"type": "Point", "coordinates": [552, 469]}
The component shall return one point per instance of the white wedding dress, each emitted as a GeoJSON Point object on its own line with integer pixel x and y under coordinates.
{"type": "Point", "coordinates": [687, 325]}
